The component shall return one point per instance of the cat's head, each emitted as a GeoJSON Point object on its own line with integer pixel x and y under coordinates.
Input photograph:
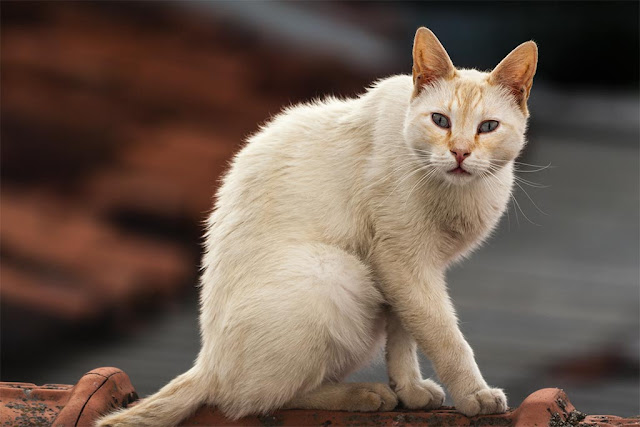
{"type": "Point", "coordinates": [466, 124]}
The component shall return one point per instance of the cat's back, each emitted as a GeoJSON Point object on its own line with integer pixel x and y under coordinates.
{"type": "Point", "coordinates": [301, 142]}
{"type": "Point", "coordinates": [332, 131]}
{"type": "Point", "coordinates": [303, 127]}
{"type": "Point", "coordinates": [326, 126]}
{"type": "Point", "coordinates": [297, 175]}
{"type": "Point", "coordinates": [304, 173]}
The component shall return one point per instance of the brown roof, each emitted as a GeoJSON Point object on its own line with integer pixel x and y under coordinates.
{"type": "Point", "coordinates": [117, 121]}
{"type": "Point", "coordinates": [104, 389]}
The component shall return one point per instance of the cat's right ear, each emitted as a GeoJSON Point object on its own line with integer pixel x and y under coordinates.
{"type": "Point", "coordinates": [515, 72]}
{"type": "Point", "coordinates": [430, 60]}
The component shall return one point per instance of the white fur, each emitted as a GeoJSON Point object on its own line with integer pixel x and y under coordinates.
{"type": "Point", "coordinates": [330, 225]}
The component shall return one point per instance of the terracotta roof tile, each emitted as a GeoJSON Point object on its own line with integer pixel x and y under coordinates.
{"type": "Point", "coordinates": [62, 261]}
{"type": "Point", "coordinates": [104, 389]}
{"type": "Point", "coordinates": [105, 119]}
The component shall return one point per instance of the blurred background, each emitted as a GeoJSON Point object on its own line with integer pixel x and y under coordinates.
{"type": "Point", "coordinates": [118, 118]}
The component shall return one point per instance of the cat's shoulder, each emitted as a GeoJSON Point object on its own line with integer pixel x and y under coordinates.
{"type": "Point", "coordinates": [335, 109]}
{"type": "Point", "coordinates": [398, 82]}
{"type": "Point", "coordinates": [396, 85]}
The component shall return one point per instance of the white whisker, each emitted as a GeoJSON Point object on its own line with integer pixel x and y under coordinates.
{"type": "Point", "coordinates": [534, 203]}
{"type": "Point", "coordinates": [522, 212]}
{"type": "Point", "coordinates": [424, 178]}
{"type": "Point", "coordinates": [400, 182]}
{"type": "Point", "coordinates": [529, 183]}
{"type": "Point", "coordinates": [541, 167]}
{"type": "Point", "coordinates": [396, 169]}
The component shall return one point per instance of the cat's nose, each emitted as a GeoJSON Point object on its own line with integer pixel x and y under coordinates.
{"type": "Point", "coordinates": [460, 154]}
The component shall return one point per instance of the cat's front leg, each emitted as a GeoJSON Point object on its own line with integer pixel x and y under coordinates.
{"type": "Point", "coordinates": [425, 311]}
{"type": "Point", "coordinates": [404, 369]}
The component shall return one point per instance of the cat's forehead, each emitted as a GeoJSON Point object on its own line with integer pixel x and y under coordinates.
{"type": "Point", "coordinates": [471, 76]}
{"type": "Point", "coordinates": [467, 88]}
{"type": "Point", "coordinates": [467, 92]}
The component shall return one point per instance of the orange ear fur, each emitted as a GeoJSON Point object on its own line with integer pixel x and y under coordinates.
{"type": "Point", "coordinates": [516, 71]}
{"type": "Point", "coordinates": [430, 60]}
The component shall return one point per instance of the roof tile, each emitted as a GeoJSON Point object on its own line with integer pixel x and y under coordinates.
{"type": "Point", "coordinates": [104, 389]}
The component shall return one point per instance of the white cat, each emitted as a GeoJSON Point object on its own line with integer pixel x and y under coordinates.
{"type": "Point", "coordinates": [332, 232]}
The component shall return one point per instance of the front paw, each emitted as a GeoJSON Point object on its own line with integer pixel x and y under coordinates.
{"type": "Point", "coordinates": [485, 401]}
{"type": "Point", "coordinates": [424, 394]}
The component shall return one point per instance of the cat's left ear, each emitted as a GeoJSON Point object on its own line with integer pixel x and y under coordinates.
{"type": "Point", "coordinates": [516, 71]}
{"type": "Point", "coordinates": [430, 60]}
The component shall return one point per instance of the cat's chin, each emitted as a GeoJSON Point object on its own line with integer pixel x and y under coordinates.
{"type": "Point", "coordinates": [459, 176]}
{"type": "Point", "coordinates": [459, 171]}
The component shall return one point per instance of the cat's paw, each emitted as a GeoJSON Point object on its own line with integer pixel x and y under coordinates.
{"type": "Point", "coordinates": [369, 397]}
{"type": "Point", "coordinates": [424, 394]}
{"type": "Point", "coordinates": [485, 401]}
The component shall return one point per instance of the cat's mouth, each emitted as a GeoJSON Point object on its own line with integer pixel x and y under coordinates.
{"type": "Point", "coordinates": [459, 171]}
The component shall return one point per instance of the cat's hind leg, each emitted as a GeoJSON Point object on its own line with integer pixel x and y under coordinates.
{"type": "Point", "coordinates": [314, 316]}
{"type": "Point", "coordinates": [362, 397]}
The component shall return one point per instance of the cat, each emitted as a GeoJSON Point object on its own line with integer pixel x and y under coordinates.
{"type": "Point", "coordinates": [332, 232]}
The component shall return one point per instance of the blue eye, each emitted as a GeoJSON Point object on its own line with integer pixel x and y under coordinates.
{"type": "Point", "coordinates": [488, 126]}
{"type": "Point", "coordinates": [441, 120]}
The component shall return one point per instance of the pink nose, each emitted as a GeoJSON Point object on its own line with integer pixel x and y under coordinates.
{"type": "Point", "coordinates": [460, 155]}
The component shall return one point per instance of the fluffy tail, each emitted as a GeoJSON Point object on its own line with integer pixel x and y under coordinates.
{"type": "Point", "coordinates": [173, 403]}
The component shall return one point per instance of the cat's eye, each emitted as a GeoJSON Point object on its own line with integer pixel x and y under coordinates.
{"type": "Point", "coordinates": [488, 126]}
{"type": "Point", "coordinates": [441, 120]}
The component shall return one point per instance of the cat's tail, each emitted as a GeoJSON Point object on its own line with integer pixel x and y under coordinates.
{"type": "Point", "coordinates": [173, 403]}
